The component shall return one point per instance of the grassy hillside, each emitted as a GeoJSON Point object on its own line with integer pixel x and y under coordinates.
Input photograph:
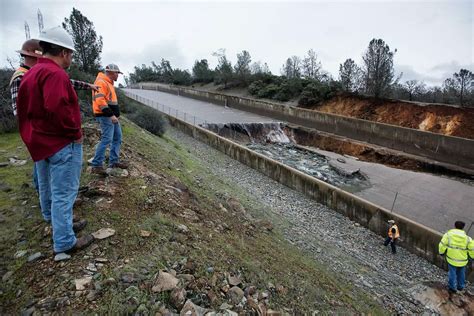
{"type": "Point", "coordinates": [169, 214]}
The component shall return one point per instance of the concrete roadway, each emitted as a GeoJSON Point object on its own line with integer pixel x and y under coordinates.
{"type": "Point", "coordinates": [431, 200]}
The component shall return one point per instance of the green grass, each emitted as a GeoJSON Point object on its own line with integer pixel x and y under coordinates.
{"type": "Point", "coordinates": [260, 256]}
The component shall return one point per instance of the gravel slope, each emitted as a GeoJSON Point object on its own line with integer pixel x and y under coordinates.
{"type": "Point", "coordinates": [353, 252]}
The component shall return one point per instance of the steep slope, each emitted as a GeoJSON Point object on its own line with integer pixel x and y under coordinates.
{"type": "Point", "coordinates": [169, 214]}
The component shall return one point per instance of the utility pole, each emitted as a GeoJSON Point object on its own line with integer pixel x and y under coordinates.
{"type": "Point", "coordinates": [40, 21]}
{"type": "Point", "coordinates": [27, 31]}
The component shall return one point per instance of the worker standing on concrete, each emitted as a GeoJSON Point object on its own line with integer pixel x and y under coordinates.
{"type": "Point", "coordinates": [107, 112]}
{"type": "Point", "coordinates": [49, 119]}
{"type": "Point", "coordinates": [393, 235]}
{"type": "Point", "coordinates": [457, 246]}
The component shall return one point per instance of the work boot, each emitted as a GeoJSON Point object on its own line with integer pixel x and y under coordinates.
{"type": "Point", "coordinates": [81, 243]}
{"type": "Point", "coordinates": [121, 165]}
{"type": "Point", "coordinates": [79, 225]}
{"type": "Point", "coordinates": [99, 171]}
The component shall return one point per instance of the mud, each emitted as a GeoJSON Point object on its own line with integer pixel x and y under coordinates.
{"type": "Point", "coordinates": [441, 119]}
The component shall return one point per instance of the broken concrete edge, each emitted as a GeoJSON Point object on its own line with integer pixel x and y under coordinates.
{"type": "Point", "coordinates": [439, 147]}
{"type": "Point", "coordinates": [417, 238]}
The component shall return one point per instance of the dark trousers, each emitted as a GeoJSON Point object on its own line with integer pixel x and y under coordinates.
{"type": "Point", "coordinates": [393, 244]}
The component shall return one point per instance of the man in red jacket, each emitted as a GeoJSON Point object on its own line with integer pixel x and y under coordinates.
{"type": "Point", "coordinates": [50, 126]}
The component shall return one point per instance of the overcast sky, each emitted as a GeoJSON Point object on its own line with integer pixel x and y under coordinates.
{"type": "Point", "coordinates": [433, 39]}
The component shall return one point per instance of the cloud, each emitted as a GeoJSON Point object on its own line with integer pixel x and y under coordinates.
{"type": "Point", "coordinates": [434, 75]}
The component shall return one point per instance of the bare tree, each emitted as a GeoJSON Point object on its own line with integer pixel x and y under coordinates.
{"type": "Point", "coordinates": [256, 68]}
{"type": "Point", "coordinates": [292, 67]}
{"type": "Point", "coordinates": [266, 69]}
{"type": "Point", "coordinates": [311, 66]}
{"type": "Point", "coordinates": [349, 75]}
{"type": "Point", "coordinates": [414, 88]}
{"type": "Point", "coordinates": [378, 68]}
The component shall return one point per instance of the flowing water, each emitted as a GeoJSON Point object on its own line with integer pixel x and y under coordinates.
{"type": "Point", "coordinates": [271, 140]}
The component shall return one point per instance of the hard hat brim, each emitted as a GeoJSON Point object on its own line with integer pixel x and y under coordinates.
{"type": "Point", "coordinates": [51, 41]}
{"type": "Point", "coordinates": [108, 70]}
{"type": "Point", "coordinates": [26, 53]}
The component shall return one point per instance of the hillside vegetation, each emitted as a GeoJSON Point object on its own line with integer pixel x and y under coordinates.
{"type": "Point", "coordinates": [171, 218]}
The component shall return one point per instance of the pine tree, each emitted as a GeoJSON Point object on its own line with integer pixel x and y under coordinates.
{"type": "Point", "coordinates": [87, 44]}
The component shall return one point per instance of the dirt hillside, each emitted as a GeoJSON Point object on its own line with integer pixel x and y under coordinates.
{"type": "Point", "coordinates": [427, 117]}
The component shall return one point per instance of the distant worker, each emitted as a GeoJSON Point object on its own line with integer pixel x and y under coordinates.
{"type": "Point", "coordinates": [393, 235]}
{"type": "Point", "coordinates": [107, 112]}
{"type": "Point", "coordinates": [49, 119]}
{"type": "Point", "coordinates": [457, 246]}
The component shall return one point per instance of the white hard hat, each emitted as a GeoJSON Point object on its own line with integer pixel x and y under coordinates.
{"type": "Point", "coordinates": [113, 68]}
{"type": "Point", "coordinates": [391, 221]}
{"type": "Point", "coordinates": [58, 36]}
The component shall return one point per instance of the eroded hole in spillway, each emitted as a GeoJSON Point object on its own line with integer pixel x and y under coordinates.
{"type": "Point", "coordinates": [277, 141]}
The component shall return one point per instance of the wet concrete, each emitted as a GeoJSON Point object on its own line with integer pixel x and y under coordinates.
{"type": "Point", "coordinates": [202, 111]}
{"type": "Point", "coordinates": [431, 200]}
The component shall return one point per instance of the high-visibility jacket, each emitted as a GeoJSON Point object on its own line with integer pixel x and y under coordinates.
{"type": "Point", "coordinates": [104, 102]}
{"type": "Point", "coordinates": [390, 234]}
{"type": "Point", "coordinates": [457, 246]}
{"type": "Point", "coordinates": [18, 73]}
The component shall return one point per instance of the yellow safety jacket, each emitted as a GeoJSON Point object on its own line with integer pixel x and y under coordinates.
{"type": "Point", "coordinates": [18, 73]}
{"type": "Point", "coordinates": [104, 102]}
{"type": "Point", "coordinates": [457, 246]}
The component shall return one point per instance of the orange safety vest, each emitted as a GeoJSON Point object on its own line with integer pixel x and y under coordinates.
{"type": "Point", "coordinates": [20, 72]}
{"type": "Point", "coordinates": [106, 95]}
{"type": "Point", "coordinates": [397, 234]}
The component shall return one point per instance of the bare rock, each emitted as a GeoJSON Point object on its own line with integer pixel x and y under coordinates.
{"type": "Point", "coordinates": [35, 256]}
{"type": "Point", "coordinates": [17, 162]}
{"type": "Point", "coordinates": [177, 298]}
{"type": "Point", "coordinates": [20, 253]}
{"type": "Point", "coordinates": [190, 309]}
{"type": "Point", "coordinates": [235, 294]}
{"type": "Point", "coordinates": [7, 276]}
{"type": "Point", "coordinates": [183, 228]}
{"type": "Point", "coordinates": [165, 282]}
{"type": "Point", "coordinates": [81, 284]}
{"type": "Point", "coordinates": [103, 233]}
{"type": "Point", "coordinates": [233, 280]}
{"type": "Point", "coordinates": [145, 233]}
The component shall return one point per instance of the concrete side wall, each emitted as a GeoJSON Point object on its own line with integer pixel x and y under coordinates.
{"type": "Point", "coordinates": [417, 238]}
{"type": "Point", "coordinates": [453, 150]}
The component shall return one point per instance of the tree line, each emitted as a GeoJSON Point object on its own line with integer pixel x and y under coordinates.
{"type": "Point", "coordinates": [304, 78]}
{"type": "Point", "coordinates": [86, 63]}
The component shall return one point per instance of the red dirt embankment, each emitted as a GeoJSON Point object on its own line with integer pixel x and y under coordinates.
{"type": "Point", "coordinates": [434, 118]}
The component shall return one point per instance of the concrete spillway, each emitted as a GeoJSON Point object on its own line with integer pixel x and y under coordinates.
{"type": "Point", "coordinates": [428, 199]}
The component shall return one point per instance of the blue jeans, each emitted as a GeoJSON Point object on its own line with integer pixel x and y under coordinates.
{"type": "Point", "coordinates": [111, 135]}
{"type": "Point", "coordinates": [58, 179]}
{"type": "Point", "coordinates": [456, 274]}
{"type": "Point", "coordinates": [35, 178]}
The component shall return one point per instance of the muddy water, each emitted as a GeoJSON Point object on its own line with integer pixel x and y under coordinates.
{"type": "Point", "coordinates": [313, 164]}
{"type": "Point", "coordinates": [270, 139]}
